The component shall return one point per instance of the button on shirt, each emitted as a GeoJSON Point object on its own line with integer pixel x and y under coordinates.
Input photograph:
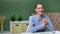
{"type": "Point", "coordinates": [35, 23]}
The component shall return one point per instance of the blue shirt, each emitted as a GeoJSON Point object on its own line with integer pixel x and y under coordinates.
{"type": "Point", "coordinates": [35, 23]}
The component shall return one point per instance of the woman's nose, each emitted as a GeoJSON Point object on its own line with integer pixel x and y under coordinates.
{"type": "Point", "coordinates": [40, 9]}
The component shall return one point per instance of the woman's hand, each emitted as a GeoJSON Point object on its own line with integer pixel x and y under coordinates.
{"type": "Point", "coordinates": [44, 21]}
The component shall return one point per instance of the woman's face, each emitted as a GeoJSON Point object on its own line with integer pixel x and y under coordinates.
{"type": "Point", "coordinates": [39, 9]}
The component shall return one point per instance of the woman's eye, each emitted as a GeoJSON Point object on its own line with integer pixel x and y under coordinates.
{"type": "Point", "coordinates": [41, 7]}
{"type": "Point", "coordinates": [38, 8]}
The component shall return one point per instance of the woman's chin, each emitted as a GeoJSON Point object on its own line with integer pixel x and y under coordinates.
{"type": "Point", "coordinates": [40, 13]}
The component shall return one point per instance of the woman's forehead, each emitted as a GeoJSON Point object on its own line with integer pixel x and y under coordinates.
{"type": "Point", "coordinates": [39, 5]}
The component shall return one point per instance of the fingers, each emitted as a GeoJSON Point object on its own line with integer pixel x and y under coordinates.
{"type": "Point", "coordinates": [44, 20]}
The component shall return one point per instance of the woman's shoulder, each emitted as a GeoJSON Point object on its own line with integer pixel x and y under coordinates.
{"type": "Point", "coordinates": [46, 16]}
{"type": "Point", "coordinates": [32, 16]}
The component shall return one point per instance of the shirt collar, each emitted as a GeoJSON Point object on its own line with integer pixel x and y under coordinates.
{"type": "Point", "coordinates": [40, 17]}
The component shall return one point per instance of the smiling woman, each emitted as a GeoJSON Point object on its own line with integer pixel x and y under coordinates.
{"type": "Point", "coordinates": [39, 22]}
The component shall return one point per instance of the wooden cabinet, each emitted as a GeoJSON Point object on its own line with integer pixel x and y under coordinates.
{"type": "Point", "coordinates": [18, 26]}
{"type": "Point", "coordinates": [24, 27]}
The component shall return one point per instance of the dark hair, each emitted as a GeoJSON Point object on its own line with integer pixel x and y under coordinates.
{"type": "Point", "coordinates": [38, 4]}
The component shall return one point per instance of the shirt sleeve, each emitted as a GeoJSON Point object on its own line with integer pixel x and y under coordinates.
{"type": "Point", "coordinates": [50, 25]}
{"type": "Point", "coordinates": [33, 28]}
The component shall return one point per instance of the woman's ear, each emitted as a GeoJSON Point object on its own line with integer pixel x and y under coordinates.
{"type": "Point", "coordinates": [35, 10]}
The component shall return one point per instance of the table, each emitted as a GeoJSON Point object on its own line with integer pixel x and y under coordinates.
{"type": "Point", "coordinates": [53, 32]}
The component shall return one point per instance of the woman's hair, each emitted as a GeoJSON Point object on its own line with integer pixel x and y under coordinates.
{"type": "Point", "coordinates": [38, 4]}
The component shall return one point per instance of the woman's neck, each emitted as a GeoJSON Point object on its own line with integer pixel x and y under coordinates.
{"type": "Point", "coordinates": [39, 15]}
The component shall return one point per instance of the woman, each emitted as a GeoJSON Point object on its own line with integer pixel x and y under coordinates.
{"type": "Point", "coordinates": [39, 22]}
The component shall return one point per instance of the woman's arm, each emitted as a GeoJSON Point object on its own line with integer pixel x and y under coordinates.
{"type": "Point", "coordinates": [50, 25]}
{"type": "Point", "coordinates": [33, 28]}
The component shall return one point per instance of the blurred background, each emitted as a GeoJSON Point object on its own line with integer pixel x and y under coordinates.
{"type": "Point", "coordinates": [24, 8]}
